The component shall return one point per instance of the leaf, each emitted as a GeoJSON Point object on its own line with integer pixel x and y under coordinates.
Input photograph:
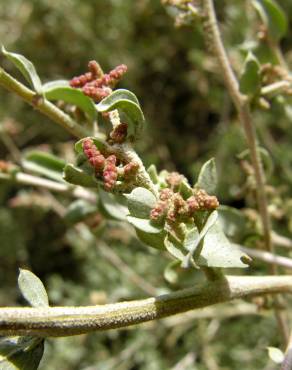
{"type": "Point", "coordinates": [152, 171]}
{"type": "Point", "coordinates": [174, 247]}
{"type": "Point", "coordinates": [250, 80]}
{"type": "Point", "coordinates": [276, 355]}
{"type": "Point", "coordinates": [170, 274]}
{"type": "Point", "coordinates": [78, 211]}
{"type": "Point", "coordinates": [218, 252]}
{"type": "Point", "coordinates": [20, 353]}
{"type": "Point", "coordinates": [26, 68]}
{"type": "Point", "coordinates": [144, 225]}
{"type": "Point", "coordinates": [98, 142]}
{"type": "Point", "coordinates": [233, 222]}
{"type": "Point", "coordinates": [152, 240]}
{"type": "Point", "coordinates": [61, 90]}
{"type": "Point", "coordinates": [207, 178]}
{"type": "Point", "coordinates": [112, 205]}
{"type": "Point", "coordinates": [273, 17]}
{"type": "Point", "coordinates": [191, 236]}
{"type": "Point", "coordinates": [32, 289]}
{"type": "Point", "coordinates": [185, 190]}
{"type": "Point", "coordinates": [77, 176]}
{"type": "Point", "coordinates": [127, 102]}
{"type": "Point", "coordinates": [140, 202]}
{"type": "Point", "coordinates": [45, 164]}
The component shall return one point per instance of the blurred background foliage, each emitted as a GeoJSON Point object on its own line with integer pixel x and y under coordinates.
{"type": "Point", "coordinates": [190, 118]}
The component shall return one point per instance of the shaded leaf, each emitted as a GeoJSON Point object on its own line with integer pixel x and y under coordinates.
{"type": "Point", "coordinates": [45, 164]}
{"type": "Point", "coordinates": [127, 102]}
{"type": "Point", "coordinates": [233, 222]}
{"type": "Point", "coordinates": [170, 274]}
{"type": "Point", "coordinates": [174, 247]}
{"type": "Point", "coordinates": [26, 68]}
{"type": "Point", "coordinates": [140, 202]}
{"type": "Point", "coordinates": [20, 353]}
{"type": "Point", "coordinates": [152, 240]}
{"type": "Point", "coordinates": [79, 210]}
{"type": "Point", "coordinates": [61, 90]}
{"type": "Point", "coordinates": [273, 17]}
{"type": "Point", "coordinates": [144, 225]}
{"type": "Point", "coordinates": [32, 289]}
{"type": "Point", "coordinates": [207, 178]}
{"type": "Point", "coordinates": [77, 176]}
{"type": "Point", "coordinates": [112, 206]}
{"type": "Point", "coordinates": [250, 79]}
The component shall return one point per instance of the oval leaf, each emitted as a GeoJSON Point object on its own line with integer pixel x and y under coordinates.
{"type": "Point", "coordinates": [78, 211]}
{"type": "Point", "coordinates": [77, 176]}
{"type": "Point", "coordinates": [129, 105]}
{"type": "Point", "coordinates": [32, 289]}
{"type": "Point", "coordinates": [61, 90]}
{"type": "Point", "coordinates": [112, 205]}
{"type": "Point", "coordinates": [140, 202]}
{"type": "Point", "coordinates": [207, 178]}
{"type": "Point", "coordinates": [20, 353]}
{"type": "Point", "coordinates": [276, 355]}
{"type": "Point", "coordinates": [45, 164]}
{"type": "Point", "coordinates": [144, 225]}
{"type": "Point", "coordinates": [26, 68]}
{"type": "Point", "coordinates": [152, 240]}
{"type": "Point", "coordinates": [250, 80]}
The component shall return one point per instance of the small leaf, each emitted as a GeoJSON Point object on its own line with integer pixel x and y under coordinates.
{"type": "Point", "coordinates": [218, 252]}
{"type": "Point", "coordinates": [32, 289]}
{"type": "Point", "coordinates": [112, 206]}
{"type": "Point", "coordinates": [78, 211]}
{"type": "Point", "coordinates": [207, 178]}
{"type": "Point", "coordinates": [20, 353]}
{"type": "Point", "coordinates": [77, 176]}
{"type": "Point", "coordinates": [127, 102]}
{"type": "Point", "coordinates": [152, 240]}
{"type": "Point", "coordinates": [250, 80]}
{"type": "Point", "coordinates": [276, 355]}
{"type": "Point", "coordinates": [174, 247]}
{"type": "Point", "coordinates": [273, 17]}
{"type": "Point", "coordinates": [170, 274]}
{"type": "Point", "coordinates": [152, 171]}
{"type": "Point", "coordinates": [98, 142]}
{"type": "Point", "coordinates": [45, 164]}
{"type": "Point", "coordinates": [140, 202]}
{"type": "Point", "coordinates": [144, 225]}
{"type": "Point", "coordinates": [61, 90]}
{"type": "Point", "coordinates": [26, 68]}
{"type": "Point", "coordinates": [233, 222]}
{"type": "Point", "coordinates": [185, 190]}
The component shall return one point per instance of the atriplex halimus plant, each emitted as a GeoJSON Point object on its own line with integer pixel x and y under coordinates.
{"type": "Point", "coordinates": [167, 212]}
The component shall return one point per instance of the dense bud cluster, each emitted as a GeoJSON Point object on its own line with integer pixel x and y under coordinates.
{"type": "Point", "coordinates": [97, 85]}
{"type": "Point", "coordinates": [174, 208]}
{"type": "Point", "coordinates": [107, 166]}
{"type": "Point", "coordinates": [174, 179]}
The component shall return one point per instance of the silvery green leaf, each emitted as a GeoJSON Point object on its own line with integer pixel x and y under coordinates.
{"type": "Point", "coordinates": [174, 247]}
{"type": "Point", "coordinates": [152, 240]}
{"type": "Point", "coordinates": [32, 289]}
{"type": "Point", "coordinates": [144, 225]}
{"type": "Point", "coordinates": [26, 68]}
{"type": "Point", "coordinates": [113, 206]}
{"type": "Point", "coordinates": [77, 176]}
{"type": "Point", "coordinates": [207, 178]}
{"type": "Point", "coordinates": [140, 202]}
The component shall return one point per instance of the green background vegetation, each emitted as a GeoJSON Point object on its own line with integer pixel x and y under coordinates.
{"type": "Point", "coordinates": [190, 118]}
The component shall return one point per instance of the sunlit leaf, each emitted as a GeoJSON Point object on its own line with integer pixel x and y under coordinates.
{"type": "Point", "coordinates": [32, 289]}
{"type": "Point", "coordinates": [207, 178]}
{"type": "Point", "coordinates": [113, 206]}
{"type": "Point", "coordinates": [61, 90]}
{"type": "Point", "coordinates": [26, 68]}
{"type": "Point", "coordinates": [276, 355]}
{"type": "Point", "coordinates": [144, 225]}
{"type": "Point", "coordinates": [140, 202]}
{"type": "Point", "coordinates": [127, 102]}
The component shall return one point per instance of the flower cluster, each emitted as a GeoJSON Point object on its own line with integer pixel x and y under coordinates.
{"type": "Point", "coordinates": [108, 167]}
{"type": "Point", "coordinates": [173, 208]}
{"type": "Point", "coordinates": [97, 85]}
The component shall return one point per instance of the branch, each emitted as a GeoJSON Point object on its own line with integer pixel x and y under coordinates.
{"type": "Point", "coordinates": [66, 321]}
{"type": "Point", "coordinates": [26, 179]}
{"type": "Point", "coordinates": [41, 104]}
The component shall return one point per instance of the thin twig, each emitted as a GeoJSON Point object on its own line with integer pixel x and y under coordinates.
{"type": "Point", "coordinates": [243, 108]}
{"type": "Point", "coordinates": [66, 321]}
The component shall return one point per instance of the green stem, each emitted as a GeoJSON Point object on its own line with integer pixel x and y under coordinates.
{"type": "Point", "coordinates": [41, 104]}
{"type": "Point", "coordinates": [66, 321]}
